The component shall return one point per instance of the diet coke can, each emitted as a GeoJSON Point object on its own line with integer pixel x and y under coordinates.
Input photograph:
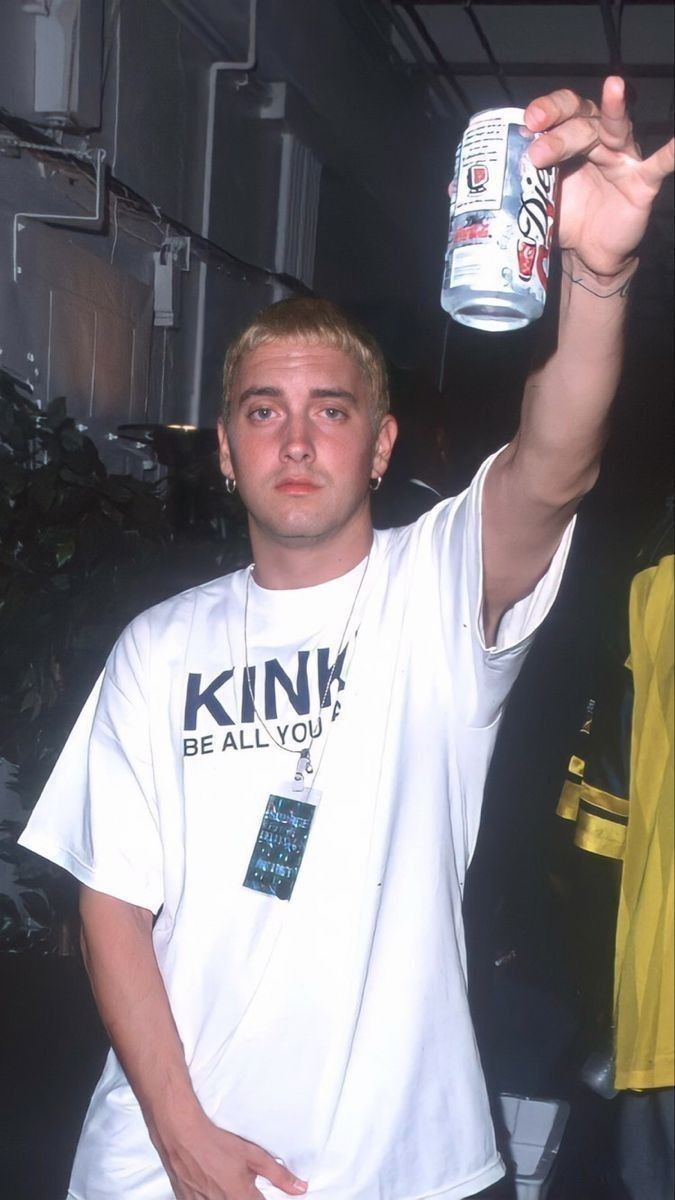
{"type": "Point", "coordinates": [502, 211]}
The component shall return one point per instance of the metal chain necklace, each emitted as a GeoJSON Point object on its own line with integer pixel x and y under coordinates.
{"type": "Point", "coordinates": [304, 764]}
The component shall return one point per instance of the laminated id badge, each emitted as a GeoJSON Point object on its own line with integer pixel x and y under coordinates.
{"type": "Point", "coordinates": [281, 842]}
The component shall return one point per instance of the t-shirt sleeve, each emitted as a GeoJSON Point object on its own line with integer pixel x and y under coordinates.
{"type": "Point", "coordinates": [97, 815]}
{"type": "Point", "coordinates": [484, 674]}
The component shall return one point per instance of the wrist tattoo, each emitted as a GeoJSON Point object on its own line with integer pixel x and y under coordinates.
{"type": "Point", "coordinates": [621, 290]}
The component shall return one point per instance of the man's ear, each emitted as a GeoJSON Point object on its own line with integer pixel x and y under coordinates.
{"type": "Point", "coordinates": [384, 444]}
{"type": "Point", "coordinates": [224, 456]}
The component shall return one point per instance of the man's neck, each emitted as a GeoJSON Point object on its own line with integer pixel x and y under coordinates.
{"type": "Point", "coordinates": [301, 563]}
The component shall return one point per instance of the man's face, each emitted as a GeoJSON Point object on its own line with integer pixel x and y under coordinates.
{"type": "Point", "coordinates": [301, 442]}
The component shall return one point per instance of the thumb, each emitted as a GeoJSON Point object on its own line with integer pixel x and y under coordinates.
{"type": "Point", "coordinates": [661, 164]}
{"type": "Point", "coordinates": [276, 1172]}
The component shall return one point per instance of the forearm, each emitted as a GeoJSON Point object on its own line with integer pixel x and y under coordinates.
{"type": "Point", "coordinates": [535, 485]}
{"type": "Point", "coordinates": [200, 1159]}
{"type": "Point", "coordinates": [566, 403]}
{"type": "Point", "coordinates": [134, 1007]}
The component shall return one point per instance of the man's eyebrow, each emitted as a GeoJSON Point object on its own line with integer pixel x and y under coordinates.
{"type": "Point", "coordinates": [321, 393]}
{"type": "Point", "coordinates": [258, 390]}
{"type": "Point", "coordinates": [332, 393]}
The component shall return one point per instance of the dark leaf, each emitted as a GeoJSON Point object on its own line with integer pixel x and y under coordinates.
{"type": "Point", "coordinates": [37, 907]}
{"type": "Point", "coordinates": [8, 909]}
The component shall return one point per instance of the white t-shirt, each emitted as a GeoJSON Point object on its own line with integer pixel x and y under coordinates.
{"type": "Point", "coordinates": [333, 1028]}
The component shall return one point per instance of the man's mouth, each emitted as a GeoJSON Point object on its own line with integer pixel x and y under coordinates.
{"type": "Point", "coordinates": [297, 487]}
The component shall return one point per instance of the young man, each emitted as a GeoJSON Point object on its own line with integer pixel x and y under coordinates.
{"type": "Point", "coordinates": [272, 797]}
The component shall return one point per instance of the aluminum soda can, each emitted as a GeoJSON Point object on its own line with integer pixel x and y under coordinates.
{"type": "Point", "coordinates": [502, 211]}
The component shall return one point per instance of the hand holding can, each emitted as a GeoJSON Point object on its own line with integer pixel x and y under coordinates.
{"type": "Point", "coordinates": [502, 212]}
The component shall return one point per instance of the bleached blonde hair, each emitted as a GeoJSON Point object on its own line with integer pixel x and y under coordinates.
{"type": "Point", "coordinates": [317, 321]}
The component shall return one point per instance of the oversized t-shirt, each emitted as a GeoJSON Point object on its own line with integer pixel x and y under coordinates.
{"type": "Point", "coordinates": [331, 1028]}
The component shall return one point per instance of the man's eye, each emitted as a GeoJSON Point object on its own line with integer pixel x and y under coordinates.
{"type": "Point", "coordinates": [260, 414]}
{"type": "Point", "coordinates": [334, 413]}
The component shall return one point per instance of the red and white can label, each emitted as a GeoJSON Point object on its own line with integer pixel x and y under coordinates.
{"type": "Point", "coordinates": [502, 210]}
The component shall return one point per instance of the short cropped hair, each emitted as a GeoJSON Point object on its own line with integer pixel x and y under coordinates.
{"type": "Point", "coordinates": [320, 322]}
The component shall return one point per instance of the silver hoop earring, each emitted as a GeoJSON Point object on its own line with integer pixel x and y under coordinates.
{"type": "Point", "coordinates": [230, 485]}
{"type": "Point", "coordinates": [374, 484]}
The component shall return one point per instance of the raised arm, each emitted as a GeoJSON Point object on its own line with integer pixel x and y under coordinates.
{"type": "Point", "coordinates": [606, 196]}
{"type": "Point", "coordinates": [199, 1158]}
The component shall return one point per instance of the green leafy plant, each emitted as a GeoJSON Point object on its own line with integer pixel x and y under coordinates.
{"type": "Point", "coordinates": [82, 551]}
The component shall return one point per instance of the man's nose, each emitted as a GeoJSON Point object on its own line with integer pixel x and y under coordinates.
{"type": "Point", "coordinates": [297, 444]}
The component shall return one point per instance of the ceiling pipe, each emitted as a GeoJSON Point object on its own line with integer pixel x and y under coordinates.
{"type": "Point", "coordinates": [611, 36]}
{"type": "Point", "coordinates": [379, 16]}
{"type": "Point", "coordinates": [542, 70]}
{"type": "Point", "coordinates": [482, 38]}
{"type": "Point", "coordinates": [442, 67]}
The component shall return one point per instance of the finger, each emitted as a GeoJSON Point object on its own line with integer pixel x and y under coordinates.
{"type": "Point", "coordinates": [576, 137]}
{"type": "Point", "coordinates": [276, 1172]}
{"type": "Point", "coordinates": [570, 125]}
{"type": "Point", "coordinates": [659, 165]}
{"type": "Point", "coordinates": [615, 124]}
{"type": "Point", "coordinates": [548, 111]}
{"type": "Point", "coordinates": [586, 137]}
